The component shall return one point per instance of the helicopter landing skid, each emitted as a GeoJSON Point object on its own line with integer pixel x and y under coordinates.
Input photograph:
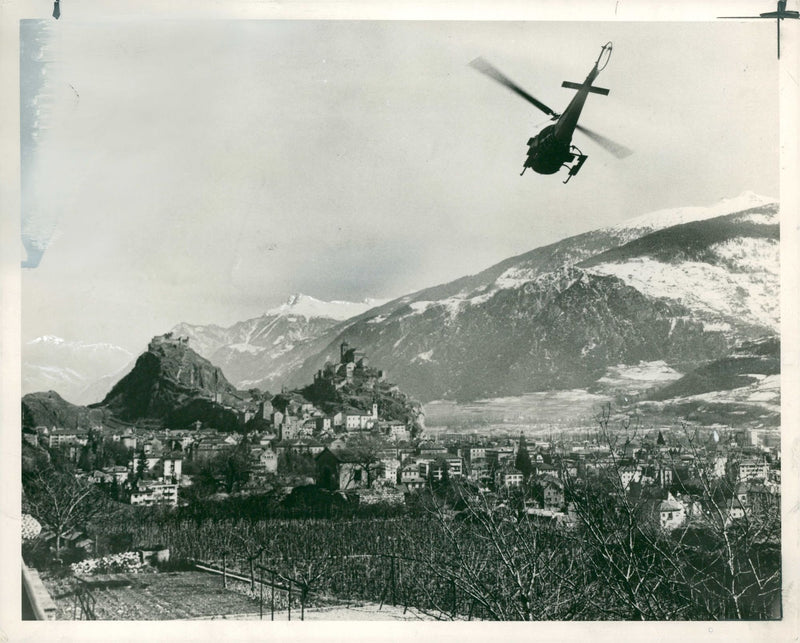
{"type": "Point", "coordinates": [576, 161]}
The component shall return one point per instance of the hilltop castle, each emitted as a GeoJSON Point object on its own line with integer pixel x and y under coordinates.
{"type": "Point", "coordinates": [352, 363]}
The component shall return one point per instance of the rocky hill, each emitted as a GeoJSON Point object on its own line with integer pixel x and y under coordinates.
{"type": "Point", "coordinates": [166, 378]}
{"type": "Point", "coordinates": [49, 409]}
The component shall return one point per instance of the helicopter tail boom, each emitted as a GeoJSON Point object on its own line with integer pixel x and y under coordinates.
{"type": "Point", "coordinates": [590, 88]}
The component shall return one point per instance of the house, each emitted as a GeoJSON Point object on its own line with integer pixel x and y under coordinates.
{"type": "Point", "coordinates": [432, 450]}
{"type": "Point", "coordinates": [499, 456]}
{"type": "Point", "coordinates": [478, 469]}
{"type": "Point", "coordinates": [344, 469]}
{"type": "Point", "coordinates": [100, 477]}
{"type": "Point", "coordinates": [671, 513]}
{"type": "Point", "coordinates": [265, 410]}
{"type": "Point", "coordinates": [305, 446]}
{"type": "Point", "coordinates": [109, 475]}
{"type": "Point", "coordinates": [734, 510]}
{"type": "Point", "coordinates": [150, 463]}
{"type": "Point", "coordinates": [553, 491]}
{"type": "Point", "coordinates": [268, 461]}
{"type": "Point", "coordinates": [415, 483]}
{"type": "Point", "coordinates": [629, 474]}
{"type": "Point", "coordinates": [409, 472]}
{"type": "Point", "coordinates": [755, 496]}
{"type": "Point", "coordinates": [390, 468]}
{"type": "Point", "coordinates": [455, 466]}
{"type": "Point", "coordinates": [208, 447]}
{"type": "Point", "coordinates": [394, 430]}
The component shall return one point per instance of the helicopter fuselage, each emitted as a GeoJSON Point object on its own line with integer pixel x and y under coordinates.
{"type": "Point", "coordinates": [551, 149]}
{"type": "Point", "coordinates": [548, 152]}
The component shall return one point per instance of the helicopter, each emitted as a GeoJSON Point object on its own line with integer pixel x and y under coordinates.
{"type": "Point", "coordinates": [552, 148]}
{"type": "Point", "coordinates": [780, 14]}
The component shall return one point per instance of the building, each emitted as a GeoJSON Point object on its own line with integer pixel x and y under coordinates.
{"type": "Point", "coordinates": [553, 491]}
{"type": "Point", "coordinates": [629, 474]}
{"type": "Point", "coordinates": [748, 469]}
{"type": "Point", "coordinates": [671, 513]}
{"type": "Point", "coordinates": [343, 469]}
{"type": "Point", "coordinates": [476, 452]}
{"type": "Point", "coordinates": [508, 477]}
{"type": "Point", "coordinates": [478, 469]}
{"type": "Point", "coordinates": [268, 461]}
{"type": "Point", "coordinates": [148, 493]}
{"type": "Point", "coordinates": [55, 438]}
{"type": "Point", "coordinates": [173, 468]}
{"type": "Point", "coordinates": [356, 420]}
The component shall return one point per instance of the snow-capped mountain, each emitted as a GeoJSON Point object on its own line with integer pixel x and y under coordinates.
{"type": "Point", "coordinates": [265, 350]}
{"type": "Point", "coordinates": [684, 286]}
{"type": "Point", "coordinates": [304, 306]}
{"type": "Point", "coordinates": [70, 367]}
{"type": "Point", "coordinates": [661, 219]}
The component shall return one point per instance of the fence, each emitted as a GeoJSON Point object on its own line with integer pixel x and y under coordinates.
{"type": "Point", "coordinates": [83, 602]}
{"type": "Point", "coordinates": [379, 578]}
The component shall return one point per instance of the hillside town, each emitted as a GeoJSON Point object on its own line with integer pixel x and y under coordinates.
{"type": "Point", "coordinates": [175, 468]}
{"type": "Point", "coordinates": [288, 441]}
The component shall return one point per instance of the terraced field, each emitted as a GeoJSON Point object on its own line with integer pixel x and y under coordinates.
{"type": "Point", "coordinates": [154, 596]}
{"type": "Point", "coordinates": [201, 596]}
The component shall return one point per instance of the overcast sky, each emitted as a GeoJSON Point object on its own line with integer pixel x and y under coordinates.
{"type": "Point", "coordinates": [203, 171]}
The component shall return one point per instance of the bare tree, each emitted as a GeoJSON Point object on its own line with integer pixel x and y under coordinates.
{"type": "Point", "coordinates": [503, 564]}
{"type": "Point", "coordinates": [60, 501]}
{"type": "Point", "coordinates": [722, 562]}
{"type": "Point", "coordinates": [735, 549]}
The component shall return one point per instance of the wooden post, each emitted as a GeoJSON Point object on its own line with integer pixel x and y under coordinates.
{"type": "Point", "coordinates": [303, 604]}
{"type": "Point", "coordinates": [394, 598]}
{"type": "Point", "coordinates": [261, 594]}
{"type": "Point", "coordinates": [252, 575]}
{"type": "Point", "coordinates": [224, 571]}
{"type": "Point", "coordinates": [453, 608]}
{"type": "Point", "coordinates": [272, 615]}
{"type": "Point", "coordinates": [289, 602]}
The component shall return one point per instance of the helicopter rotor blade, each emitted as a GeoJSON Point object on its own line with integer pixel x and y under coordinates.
{"type": "Point", "coordinates": [618, 150]}
{"type": "Point", "coordinates": [487, 69]}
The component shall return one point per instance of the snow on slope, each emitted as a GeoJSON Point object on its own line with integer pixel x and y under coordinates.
{"type": "Point", "coordinates": [305, 306]}
{"type": "Point", "coordinates": [746, 296]}
{"type": "Point", "coordinates": [661, 219]}
{"type": "Point", "coordinates": [744, 271]}
{"type": "Point", "coordinates": [745, 256]}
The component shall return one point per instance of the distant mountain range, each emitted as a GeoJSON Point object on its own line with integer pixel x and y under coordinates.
{"type": "Point", "coordinates": [685, 286]}
{"type": "Point", "coordinates": [82, 372]}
